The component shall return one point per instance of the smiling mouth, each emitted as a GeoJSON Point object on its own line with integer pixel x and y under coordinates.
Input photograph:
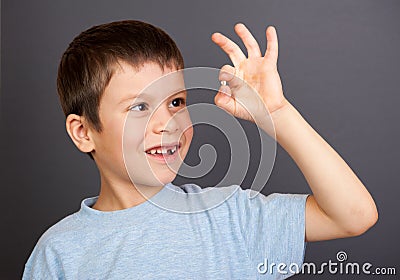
{"type": "Point", "coordinates": [163, 150]}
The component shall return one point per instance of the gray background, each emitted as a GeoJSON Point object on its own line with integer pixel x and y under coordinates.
{"type": "Point", "coordinates": [339, 64]}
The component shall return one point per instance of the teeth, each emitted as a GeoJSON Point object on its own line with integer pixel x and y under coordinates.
{"type": "Point", "coordinates": [163, 151]}
{"type": "Point", "coordinates": [172, 151]}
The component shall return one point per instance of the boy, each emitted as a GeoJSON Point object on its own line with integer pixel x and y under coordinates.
{"type": "Point", "coordinates": [120, 234]}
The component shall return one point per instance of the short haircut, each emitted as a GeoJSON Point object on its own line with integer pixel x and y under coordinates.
{"type": "Point", "coordinates": [90, 61]}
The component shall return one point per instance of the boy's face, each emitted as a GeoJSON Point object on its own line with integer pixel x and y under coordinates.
{"type": "Point", "coordinates": [155, 118]}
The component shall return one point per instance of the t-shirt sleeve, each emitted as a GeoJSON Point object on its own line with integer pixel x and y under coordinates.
{"type": "Point", "coordinates": [43, 263]}
{"type": "Point", "coordinates": [273, 227]}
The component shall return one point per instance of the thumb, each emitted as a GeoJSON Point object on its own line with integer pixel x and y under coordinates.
{"type": "Point", "coordinates": [225, 101]}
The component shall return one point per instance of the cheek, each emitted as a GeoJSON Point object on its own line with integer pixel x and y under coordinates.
{"type": "Point", "coordinates": [185, 123]}
{"type": "Point", "coordinates": [110, 138]}
{"type": "Point", "coordinates": [186, 126]}
{"type": "Point", "coordinates": [188, 134]}
{"type": "Point", "coordinates": [114, 131]}
{"type": "Point", "coordinates": [133, 134]}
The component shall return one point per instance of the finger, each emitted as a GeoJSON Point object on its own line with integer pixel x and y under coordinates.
{"type": "Point", "coordinates": [253, 50]}
{"type": "Point", "coordinates": [230, 48]}
{"type": "Point", "coordinates": [271, 53]}
{"type": "Point", "coordinates": [225, 90]}
{"type": "Point", "coordinates": [228, 74]}
{"type": "Point", "coordinates": [225, 101]}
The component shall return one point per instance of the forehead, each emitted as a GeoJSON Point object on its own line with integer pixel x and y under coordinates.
{"type": "Point", "coordinates": [129, 81]}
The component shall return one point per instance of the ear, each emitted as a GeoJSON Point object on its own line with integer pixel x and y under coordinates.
{"type": "Point", "coordinates": [79, 131]}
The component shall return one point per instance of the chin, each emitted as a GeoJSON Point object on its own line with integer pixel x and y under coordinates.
{"type": "Point", "coordinates": [156, 179]}
{"type": "Point", "coordinates": [166, 178]}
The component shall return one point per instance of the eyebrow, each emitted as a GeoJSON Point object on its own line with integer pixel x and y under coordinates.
{"type": "Point", "coordinates": [133, 97]}
{"type": "Point", "coordinates": [144, 94]}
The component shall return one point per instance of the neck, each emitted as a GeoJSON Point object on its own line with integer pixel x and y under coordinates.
{"type": "Point", "coordinates": [118, 195]}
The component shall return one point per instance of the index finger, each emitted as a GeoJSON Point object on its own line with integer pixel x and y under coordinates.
{"type": "Point", "coordinates": [229, 47]}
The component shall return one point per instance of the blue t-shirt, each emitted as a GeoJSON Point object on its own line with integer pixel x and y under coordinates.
{"type": "Point", "coordinates": [238, 239]}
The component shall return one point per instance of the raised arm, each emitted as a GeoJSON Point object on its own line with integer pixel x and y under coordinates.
{"type": "Point", "coordinates": [340, 205]}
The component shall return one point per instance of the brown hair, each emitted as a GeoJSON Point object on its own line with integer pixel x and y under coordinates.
{"type": "Point", "coordinates": [88, 64]}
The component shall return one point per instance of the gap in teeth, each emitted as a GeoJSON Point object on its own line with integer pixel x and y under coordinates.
{"type": "Point", "coordinates": [163, 151]}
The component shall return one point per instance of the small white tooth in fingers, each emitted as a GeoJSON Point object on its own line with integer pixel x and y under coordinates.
{"type": "Point", "coordinates": [223, 83]}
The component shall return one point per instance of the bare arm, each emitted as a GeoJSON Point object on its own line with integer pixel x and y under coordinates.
{"type": "Point", "coordinates": [340, 205]}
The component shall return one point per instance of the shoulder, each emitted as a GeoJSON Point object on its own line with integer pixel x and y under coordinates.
{"type": "Point", "coordinates": [59, 231]}
{"type": "Point", "coordinates": [44, 261]}
{"type": "Point", "coordinates": [235, 194]}
{"type": "Point", "coordinates": [246, 201]}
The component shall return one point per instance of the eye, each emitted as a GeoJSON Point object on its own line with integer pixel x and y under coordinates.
{"type": "Point", "coordinates": [139, 107]}
{"type": "Point", "coordinates": [178, 101]}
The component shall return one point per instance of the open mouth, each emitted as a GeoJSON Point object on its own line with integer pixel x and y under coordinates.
{"type": "Point", "coordinates": [165, 150]}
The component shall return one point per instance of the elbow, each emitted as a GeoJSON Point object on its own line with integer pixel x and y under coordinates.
{"type": "Point", "coordinates": [363, 220]}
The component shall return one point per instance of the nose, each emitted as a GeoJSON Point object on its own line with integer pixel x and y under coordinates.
{"type": "Point", "coordinates": [164, 121]}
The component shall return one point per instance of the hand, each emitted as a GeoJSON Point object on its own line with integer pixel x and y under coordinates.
{"type": "Point", "coordinates": [254, 84]}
